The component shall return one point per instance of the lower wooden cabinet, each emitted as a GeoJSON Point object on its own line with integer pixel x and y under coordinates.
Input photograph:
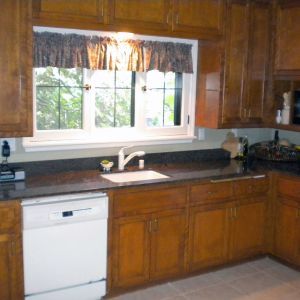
{"type": "Point", "coordinates": [208, 236]}
{"type": "Point", "coordinates": [248, 229]}
{"type": "Point", "coordinates": [287, 237]}
{"type": "Point", "coordinates": [148, 247]}
{"type": "Point", "coordinates": [11, 265]}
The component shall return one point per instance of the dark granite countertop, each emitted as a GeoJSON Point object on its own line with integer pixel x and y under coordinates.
{"type": "Point", "coordinates": [73, 181]}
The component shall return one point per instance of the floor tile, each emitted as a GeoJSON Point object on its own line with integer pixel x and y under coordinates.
{"type": "Point", "coordinates": [215, 292]}
{"type": "Point", "coordinates": [194, 283]}
{"type": "Point", "coordinates": [264, 263]}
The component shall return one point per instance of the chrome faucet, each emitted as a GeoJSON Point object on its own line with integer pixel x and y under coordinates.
{"type": "Point", "coordinates": [123, 161]}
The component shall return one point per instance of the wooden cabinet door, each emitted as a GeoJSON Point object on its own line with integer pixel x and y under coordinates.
{"type": "Point", "coordinates": [287, 46]}
{"type": "Point", "coordinates": [247, 231]}
{"type": "Point", "coordinates": [140, 15]}
{"type": "Point", "coordinates": [131, 250]}
{"type": "Point", "coordinates": [167, 243]}
{"type": "Point", "coordinates": [201, 18]}
{"type": "Point", "coordinates": [235, 63]}
{"type": "Point", "coordinates": [15, 68]}
{"type": "Point", "coordinates": [62, 12]}
{"type": "Point", "coordinates": [208, 236]}
{"type": "Point", "coordinates": [287, 232]}
{"type": "Point", "coordinates": [11, 270]}
{"type": "Point", "coordinates": [258, 61]}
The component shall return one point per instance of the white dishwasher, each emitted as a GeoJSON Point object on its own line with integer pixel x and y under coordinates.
{"type": "Point", "coordinates": [65, 246]}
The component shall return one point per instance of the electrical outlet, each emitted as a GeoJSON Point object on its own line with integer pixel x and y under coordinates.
{"type": "Point", "coordinates": [201, 134]}
{"type": "Point", "coordinates": [11, 142]}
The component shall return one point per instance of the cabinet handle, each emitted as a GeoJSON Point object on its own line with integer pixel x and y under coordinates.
{"type": "Point", "coordinates": [150, 226]}
{"type": "Point", "coordinates": [155, 225]}
{"type": "Point", "coordinates": [168, 16]}
{"type": "Point", "coordinates": [249, 113]}
{"type": "Point", "coordinates": [177, 19]}
{"type": "Point", "coordinates": [245, 113]}
{"type": "Point", "coordinates": [231, 213]}
{"type": "Point", "coordinates": [235, 212]}
{"type": "Point", "coordinates": [13, 248]}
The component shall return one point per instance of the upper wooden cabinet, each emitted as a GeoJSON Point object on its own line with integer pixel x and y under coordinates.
{"type": "Point", "coordinates": [137, 15]}
{"type": "Point", "coordinates": [194, 17]}
{"type": "Point", "coordinates": [183, 18]}
{"type": "Point", "coordinates": [287, 42]}
{"type": "Point", "coordinates": [16, 68]}
{"type": "Point", "coordinates": [232, 77]}
{"type": "Point", "coordinates": [69, 13]}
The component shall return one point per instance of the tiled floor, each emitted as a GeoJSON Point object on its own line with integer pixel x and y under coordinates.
{"type": "Point", "coordinates": [263, 279]}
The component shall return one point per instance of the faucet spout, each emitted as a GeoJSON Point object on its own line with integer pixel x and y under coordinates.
{"type": "Point", "coordinates": [123, 161]}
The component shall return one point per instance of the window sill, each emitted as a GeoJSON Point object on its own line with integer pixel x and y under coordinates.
{"type": "Point", "coordinates": [53, 145]}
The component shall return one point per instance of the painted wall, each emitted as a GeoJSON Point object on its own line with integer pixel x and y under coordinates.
{"type": "Point", "coordinates": [213, 138]}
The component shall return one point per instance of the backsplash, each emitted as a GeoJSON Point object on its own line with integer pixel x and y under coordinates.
{"type": "Point", "coordinates": [92, 163]}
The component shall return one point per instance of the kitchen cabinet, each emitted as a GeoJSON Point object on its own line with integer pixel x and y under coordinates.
{"type": "Point", "coordinates": [11, 265]}
{"type": "Point", "coordinates": [16, 68]}
{"type": "Point", "coordinates": [287, 43]}
{"type": "Point", "coordinates": [232, 88]}
{"type": "Point", "coordinates": [248, 228]}
{"type": "Point", "coordinates": [209, 235]}
{"type": "Point", "coordinates": [287, 228]}
{"type": "Point", "coordinates": [148, 235]}
{"type": "Point", "coordinates": [227, 221]}
{"type": "Point", "coordinates": [71, 13]}
{"type": "Point", "coordinates": [190, 18]}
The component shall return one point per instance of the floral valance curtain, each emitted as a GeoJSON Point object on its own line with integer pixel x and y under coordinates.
{"type": "Point", "coordinates": [105, 53]}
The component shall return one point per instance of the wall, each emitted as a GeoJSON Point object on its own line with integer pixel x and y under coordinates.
{"type": "Point", "coordinates": [212, 139]}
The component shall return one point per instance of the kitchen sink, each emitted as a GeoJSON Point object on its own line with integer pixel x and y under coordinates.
{"type": "Point", "coordinates": [134, 176]}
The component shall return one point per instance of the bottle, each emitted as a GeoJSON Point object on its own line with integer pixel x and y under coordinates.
{"type": "Point", "coordinates": [278, 116]}
{"type": "Point", "coordinates": [276, 137]}
{"type": "Point", "coordinates": [245, 147]}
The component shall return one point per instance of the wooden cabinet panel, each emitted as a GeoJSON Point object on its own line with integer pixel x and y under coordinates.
{"type": "Point", "coordinates": [248, 233]}
{"type": "Point", "coordinates": [287, 231]}
{"type": "Point", "coordinates": [211, 192]}
{"type": "Point", "coordinates": [200, 17]}
{"type": "Point", "coordinates": [236, 59]}
{"type": "Point", "coordinates": [167, 244]}
{"type": "Point", "coordinates": [131, 251]}
{"type": "Point", "coordinates": [132, 202]}
{"type": "Point", "coordinates": [72, 11]}
{"type": "Point", "coordinates": [250, 187]}
{"type": "Point", "coordinates": [208, 237]}
{"type": "Point", "coordinates": [258, 57]}
{"type": "Point", "coordinates": [287, 45]}
{"type": "Point", "coordinates": [136, 15]}
{"type": "Point", "coordinates": [290, 187]}
{"type": "Point", "coordinates": [16, 68]}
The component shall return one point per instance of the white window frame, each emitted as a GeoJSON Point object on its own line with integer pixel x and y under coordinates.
{"type": "Point", "coordinates": [91, 137]}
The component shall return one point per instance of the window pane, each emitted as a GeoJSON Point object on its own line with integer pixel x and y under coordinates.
{"type": "Point", "coordinates": [70, 108]}
{"type": "Point", "coordinates": [170, 80]}
{"type": "Point", "coordinates": [123, 104]}
{"type": "Point", "coordinates": [154, 108]}
{"type": "Point", "coordinates": [104, 78]}
{"type": "Point", "coordinates": [123, 79]}
{"type": "Point", "coordinates": [47, 103]}
{"type": "Point", "coordinates": [71, 77]}
{"type": "Point", "coordinates": [169, 108]}
{"type": "Point", "coordinates": [47, 76]}
{"type": "Point", "coordinates": [104, 116]}
{"type": "Point", "coordinates": [155, 79]}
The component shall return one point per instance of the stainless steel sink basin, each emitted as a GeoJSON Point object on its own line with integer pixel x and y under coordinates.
{"type": "Point", "coordinates": [134, 176]}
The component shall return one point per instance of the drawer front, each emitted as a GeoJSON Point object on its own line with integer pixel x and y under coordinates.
{"type": "Point", "coordinates": [249, 187]}
{"type": "Point", "coordinates": [211, 192]}
{"type": "Point", "coordinates": [9, 215]}
{"type": "Point", "coordinates": [147, 201]}
{"type": "Point", "coordinates": [289, 187]}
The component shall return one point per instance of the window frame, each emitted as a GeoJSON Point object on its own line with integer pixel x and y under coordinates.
{"type": "Point", "coordinates": [91, 137]}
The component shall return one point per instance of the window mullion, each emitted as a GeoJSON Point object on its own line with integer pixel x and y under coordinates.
{"type": "Point", "coordinates": [88, 101]}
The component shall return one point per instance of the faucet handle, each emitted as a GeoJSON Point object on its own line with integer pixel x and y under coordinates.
{"type": "Point", "coordinates": [123, 148]}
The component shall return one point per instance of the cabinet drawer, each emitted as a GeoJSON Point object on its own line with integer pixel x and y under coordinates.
{"type": "Point", "coordinates": [248, 187]}
{"type": "Point", "coordinates": [289, 187]}
{"type": "Point", "coordinates": [211, 192]}
{"type": "Point", "coordinates": [147, 201]}
{"type": "Point", "coordinates": [9, 215]}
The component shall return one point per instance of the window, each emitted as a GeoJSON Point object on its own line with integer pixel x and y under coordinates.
{"type": "Point", "coordinates": [80, 108]}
